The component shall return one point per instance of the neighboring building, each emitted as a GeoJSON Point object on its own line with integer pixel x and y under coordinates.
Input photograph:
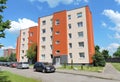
{"type": "Point", "coordinates": [24, 41]}
{"type": "Point", "coordinates": [8, 52]}
{"type": "Point", "coordinates": [62, 37]}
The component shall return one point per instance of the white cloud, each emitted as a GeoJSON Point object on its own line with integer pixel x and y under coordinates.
{"type": "Point", "coordinates": [7, 47]}
{"type": "Point", "coordinates": [54, 3]}
{"type": "Point", "coordinates": [104, 24]}
{"type": "Point", "coordinates": [114, 17]}
{"type": "Point", "coordinates": [117, 35]}
{"type": "Point", "coordinates": [118, 1]}
{"type": "Point", "coordinates": [21, 24]}
{"type": "Point", "coordinates": [111, 47]}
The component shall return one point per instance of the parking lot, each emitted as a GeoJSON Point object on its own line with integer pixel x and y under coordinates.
{"type": "Point", "coordinates": [54, 77]}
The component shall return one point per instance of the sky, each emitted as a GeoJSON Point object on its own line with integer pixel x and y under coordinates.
{"type": "Point", "coordinates": [25, 13]}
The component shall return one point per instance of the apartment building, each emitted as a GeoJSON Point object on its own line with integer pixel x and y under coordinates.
{"type": "Point", "coordinates": [62, 37]}
{"type": "Point", "coordinates": [65, 36]}
{"type": "Point", "coordinates": [8, 52]}
{"type": "Point", "coordinates": [26, 38]}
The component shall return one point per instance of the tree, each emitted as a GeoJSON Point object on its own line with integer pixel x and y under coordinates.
{"type": "Point", "coordinates": [12, 57]}
{"type": "Point", "coordinates": [98, 58]}
{"type": "Point", "coordinates": [3, 24]}
{"type": "Point", "coordinates": [117, 53]}
{"type": "Point", "coordinates": [105, 53]}
{"type": "Point", "coordinates": [31, 53]}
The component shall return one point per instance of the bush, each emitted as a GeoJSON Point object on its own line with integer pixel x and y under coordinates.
{"type": "Point", "coordinates": [99, 60]}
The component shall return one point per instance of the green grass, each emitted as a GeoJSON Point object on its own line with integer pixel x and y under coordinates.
{"type": "Point", "coordinates": [116, 65]}
{"type": "Point", "coordinates": [84, 68]}
{"type": "Point", "coordinates": [6, 76]}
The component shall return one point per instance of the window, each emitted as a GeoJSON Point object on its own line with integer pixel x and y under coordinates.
{"type": "Point", "coordinates": [31, 41]}
{"type": "Point", "coordinates": [57, 32]}
{"type": "Point", "coordinates": [69, 25]}
{"type": "Point", "coordinates": [81, 44]}
{"type": "Point", "coordinates": [58, 51]}
{"type": "Point", "coordinates": [82, 55]}
{"type": "Point", "coordinates": [31, 33]}
{"type": "Point", "coordinates": [22, 51]}
{"type": "Point", "coordinates": [69, 17]}
{"type": "Point", "coordinates": [23, 33]}
{"type": "Point", "coordinates": [51, 37]}
{"type": "Point", "coordinates": [23, 45]}
{"type": "Point", "coordinates": [51, 46]}
{"type": "Point", "coordinates": [44, 22]}
{"type": "Point", "coordinates": [43, 30]}
{"type": "Point", "coordinates": [70, 45]}
{"type": "Point", "coordinates": [43, 56]}
{"type": "Point", "coordinates": [57, 22]}
{"type": "Point", "coordinates": [57, 42]}
{"type": "Point", "coordinates": [79, 15]}
{"type": "Point", "coordinates": [23, 39]}
{"type": "Point", "coordinates": [70, 35]}
{"type": "Point", "coordinates": [80, 24]}
{"type": "Point", "coordinates": [80, 34]}
{"type": "Point", "coordinates": [43, 47]}
{"type": "Point", "coordinates": [70, 54]}
{"type": "Point", "coordinates": [51, 29]}
{"type": "Point", "coordinates": [43, 39]}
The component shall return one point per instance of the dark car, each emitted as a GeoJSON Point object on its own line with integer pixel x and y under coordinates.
{"type": "Point", "coordinates": [43, 67]}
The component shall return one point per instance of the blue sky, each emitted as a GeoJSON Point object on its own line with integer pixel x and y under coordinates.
{"type": "Point", "coordinates": [25, 13]}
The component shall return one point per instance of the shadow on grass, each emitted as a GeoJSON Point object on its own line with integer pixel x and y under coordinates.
{"type": "Point", "coordinates": [3, 78]}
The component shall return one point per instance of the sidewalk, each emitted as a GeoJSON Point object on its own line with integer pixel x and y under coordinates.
{"type": "Point", "coordinates": [104, 75]}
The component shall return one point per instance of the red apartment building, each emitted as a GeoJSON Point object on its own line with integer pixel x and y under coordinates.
{"type": "Point", "coordinates": [8, 52]}
{"type": "Point", "coordinates": [60, 37]}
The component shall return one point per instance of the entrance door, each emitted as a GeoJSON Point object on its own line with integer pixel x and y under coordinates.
{"type": "Point", "coordinates": [57, 60]}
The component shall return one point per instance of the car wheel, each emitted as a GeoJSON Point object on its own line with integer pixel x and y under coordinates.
{"type": "Point", "coordinates": [43, 70]}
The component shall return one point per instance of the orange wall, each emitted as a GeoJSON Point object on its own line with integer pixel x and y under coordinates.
{"type": "Point", "coordinates": [38, 41]}
{"type": "Point", "coordinates": [91, 49]}
{"type": "Point", "coordinates": [18, 48]}
{"type": "Point", "coordinates": [32, 38]}
{"type": "Point", "coordinates": [62, 37]}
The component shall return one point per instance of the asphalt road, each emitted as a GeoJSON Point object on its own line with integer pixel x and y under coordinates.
{"type": "Point", "coordinates": [55, 77]}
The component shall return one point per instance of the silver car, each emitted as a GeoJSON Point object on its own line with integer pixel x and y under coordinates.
{"type": "Point", "coordinates": [23, 65]}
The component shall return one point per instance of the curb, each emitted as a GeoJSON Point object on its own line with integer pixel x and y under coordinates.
{"type": "Point", "coordinates": [108, 78]}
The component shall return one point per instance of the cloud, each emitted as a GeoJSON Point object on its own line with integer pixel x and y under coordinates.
{"type": "Point", "coordinates": [54, 3]}
{"type": "Point", "coordinates": [114, 17]}
{"type": "Point", "coordinates": [7, 47]}
{"type": "Point", "coordinates": [111, 47]}
{"type": "Point", "coordinates": [117, 35]}
{"type": "Point", "coordinates": [21, 24]}
{"type": "Point", "coordinates": [118, 1]}
{"type": "Point", "coordinates": [104, 24]}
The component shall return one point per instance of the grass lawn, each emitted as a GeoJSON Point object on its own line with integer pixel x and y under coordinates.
{"type": "Point", "coordinates": [84, 68]}
{"type": "Point", "coordinates": [6, 76]}
{"type": "Point", "coordinates": [116, 65]}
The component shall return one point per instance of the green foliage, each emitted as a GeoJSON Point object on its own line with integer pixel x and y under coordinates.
{"type": "Point", "coordinates": [2, 59]}
{"type": "Point", "coordinates": [105, 53]}
{"type": "Point", "coordinates": [6, 76]}
{"type": "Point", "coordinates": [31, 53]}
{"type": "Point", "coordinates": [98, 58]}
{"type": "Point", "coordinates": [12, 57]}
{"type": "Point", "coordinates": [117, 53]}
{"type": "Point", "coordinates": [3, 24]}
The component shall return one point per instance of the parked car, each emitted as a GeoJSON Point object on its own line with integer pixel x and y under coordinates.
{"type": "Point", "coordinates": [13, 64]}
{"type": "Point", "coordinates": [23, 65]}
{"type": "Point", "coordinates": [43, 67]}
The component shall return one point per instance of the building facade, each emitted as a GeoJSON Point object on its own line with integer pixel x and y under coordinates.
{"type": "Point", "coordinates": [66, 36]}
{"type": "Point", "coordinates": [9, 51]}
{"type": "Point", "coordinates": [26, 38]}
{"type": "Point", "coordinates": [62, 37]}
